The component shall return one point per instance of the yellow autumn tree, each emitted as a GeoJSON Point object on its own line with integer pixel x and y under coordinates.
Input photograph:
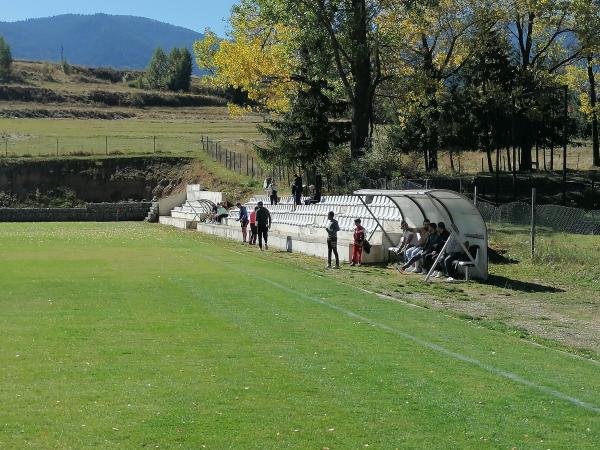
{"type": "Point", "coordinates": [256, 58]}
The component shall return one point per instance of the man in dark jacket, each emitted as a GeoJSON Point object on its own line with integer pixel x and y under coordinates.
{"type": "Point", "coordinates": [332, 229]}
{"type": "Point", "coordinates": [243, 220]}
{"type": "Point", "coordinates": [263, 224]}
{"type": "Point", "coordinates": [297, 189]}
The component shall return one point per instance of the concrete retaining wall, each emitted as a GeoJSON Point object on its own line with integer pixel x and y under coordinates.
{"type": "Point", "coordinates": [175, 222]}
{"type": "Point", "coordinates": [195, 192]}
{"type": "Point", "coordinates": [307, 240]}
{"type": "Point", "coordinates": [92, 212]}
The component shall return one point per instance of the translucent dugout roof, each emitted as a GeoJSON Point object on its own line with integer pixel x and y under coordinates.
{"type": "Point", "coordinates": [439, 205]}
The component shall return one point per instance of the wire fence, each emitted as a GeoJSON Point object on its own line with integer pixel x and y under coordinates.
{"type": "Point", "coordinates": [245, 162]}
{"type": "Point", "coordinates": [100, 145]}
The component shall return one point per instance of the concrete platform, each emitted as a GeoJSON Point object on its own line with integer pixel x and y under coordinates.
{"type": "Point", "coordinates": [176, 222]}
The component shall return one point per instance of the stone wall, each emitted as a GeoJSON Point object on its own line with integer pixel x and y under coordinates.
{"type": "Point", "coordinates": [92, 212]}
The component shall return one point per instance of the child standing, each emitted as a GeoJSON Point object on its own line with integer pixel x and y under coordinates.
{"type": "Point", "coordinates": [357, 247]}
{"type": "Point", "coordinates": [253, 228]}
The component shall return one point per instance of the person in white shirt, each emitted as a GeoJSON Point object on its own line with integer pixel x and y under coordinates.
{"type": "Point", "coordinates": [272, 191]}
{"type": "Point", "coordinates": [408, 240]}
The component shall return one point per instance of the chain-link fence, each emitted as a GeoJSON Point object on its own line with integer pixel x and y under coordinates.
{"type": "Point", "coordinates": [553, 217]}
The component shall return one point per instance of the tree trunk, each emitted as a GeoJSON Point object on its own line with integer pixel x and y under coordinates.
{"type": "Point", "coordinates": [545, 167]}
{"type": "Point", "coordinates": [451, 160]}
{"type": "Point", "coordinates": [525, 162]}
{"type": "Point", "coordinates": [508, 159]}
{"type": "Point", "coordinates": [552, 158]}
{"type": "Point", "coordinates": [489, 160]}
{"type": "Point", "coordinates": [595, 143]}
{"type": "Point", "coordinates": [537, 150]}
{"type": "Point", "coordinates": [360, 126]}
{"type": "Point", "coordinates": [362, 79]}
{"type": "Point", "coordinates": [433, 139]}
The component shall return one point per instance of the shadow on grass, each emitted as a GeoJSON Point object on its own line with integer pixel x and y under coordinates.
{"type": "Point", "coordinates": [522, 286]}
{"type": "Point", "coordinates": [496, 256]}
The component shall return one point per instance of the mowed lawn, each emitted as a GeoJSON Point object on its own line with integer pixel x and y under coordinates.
{"type": "Point", "coordinates": [139, 336]}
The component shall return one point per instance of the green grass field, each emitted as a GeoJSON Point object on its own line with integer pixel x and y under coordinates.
{"type": "Point", "coordinates": [179, 136]}
{"type": "Point", "coordinates": [134, 335]}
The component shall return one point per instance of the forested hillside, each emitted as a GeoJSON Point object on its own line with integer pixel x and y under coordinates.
{"type": "Point", "coordinates": [98, 40]}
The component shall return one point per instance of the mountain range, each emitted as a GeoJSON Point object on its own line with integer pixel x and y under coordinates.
{"type": "Point", "coordinates": [99, 40]}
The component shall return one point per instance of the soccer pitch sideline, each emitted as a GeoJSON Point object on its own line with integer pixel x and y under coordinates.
{"type": "Point", "coordinates": [134, 335]}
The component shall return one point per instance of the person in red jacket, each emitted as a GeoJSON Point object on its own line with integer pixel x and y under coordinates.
{"type": "Point", "coordinates": [357, 247]}
{"type": "Point", "coordinates": [253, 228]}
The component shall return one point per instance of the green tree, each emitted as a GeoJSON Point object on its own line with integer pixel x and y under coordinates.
{"type": "Point", "coordinates": [263, 55]}
{"type": "Point", "coordinates": [5, 59]}
{"type": "Point", "coordinates": [489, 77]}
{"type": "Point", "coordinates": [544, 45]}
{"type": "Point", "coordinates": [352, 34]}
{"type": "Point", "coordinates": [587, 15]}
{"type": "Point", "coordinates": [310, 129]}
{"type": "Point", "coordinates": [157, 74]}
{"type": "Point", "coordinates": [180, 69]}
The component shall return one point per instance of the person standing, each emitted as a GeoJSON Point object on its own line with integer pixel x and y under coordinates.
{"type": "Point", "coordinates": [273, 193]}
{"type": "Point", "coordinates": [332, 229]}
{"type": "Point", "coordinates": [263, 224]}
{"type": "Point", "coordinates": [253, 229]}
{"type": "Point", "coordinates": [266, 184]}
{"type": "Point", "coordinates": [357, 246]}
{"type": "Point", "coordinates": [297, 189]}
{"type": "Point", "coordinates": [243, 220]}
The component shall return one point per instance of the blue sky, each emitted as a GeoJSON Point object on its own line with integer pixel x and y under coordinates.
{"type": "Point", "coordinates": [194, 14]}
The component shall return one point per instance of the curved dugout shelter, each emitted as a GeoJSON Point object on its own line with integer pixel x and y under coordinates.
{"type": "Point", "coordinates": [439, 205]}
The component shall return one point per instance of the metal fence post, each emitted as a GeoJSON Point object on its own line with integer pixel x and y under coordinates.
{"type": "Point", "coordinates": [565, 143]}
{"type": "Point", "coordinates": [475, 196]}
{"type": "Point", "coordinates": [154, 144]}
{"type": "Point", "coordinates": [106, 144]}
{"type": "Point", "coordinates": [533, 200]}
{"type": "Point", "coordinates": [56, 146]}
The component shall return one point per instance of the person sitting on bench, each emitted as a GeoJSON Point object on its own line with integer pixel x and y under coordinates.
{"type": "Point", "coordinates": [315, 196]}
{"type": "Point", "coordinates": [430, 257]}
{"type": "Point", "coordinates": [432, 241]}
{"type": "Point", "coordinates": [221, 213]}
{"type": "Point", "coordinates": [408, 240]}
{"type": "Point", "coordinates": [418, 247]}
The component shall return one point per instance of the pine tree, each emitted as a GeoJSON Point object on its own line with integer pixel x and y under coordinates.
{"type": "Point", "coordinates": [5, 59]}
{"type": "Point", "coordinates": [305, 135]}
{"type": "Point", "coordinates": [157, 75]}
{"type": "Point", "coordinates": [180, 69]}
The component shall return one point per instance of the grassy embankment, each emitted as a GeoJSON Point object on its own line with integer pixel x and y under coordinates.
{"type": "Point", "coordinates": [31, 128]}
{"type": "Point", "coordinates": [177, 129]}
